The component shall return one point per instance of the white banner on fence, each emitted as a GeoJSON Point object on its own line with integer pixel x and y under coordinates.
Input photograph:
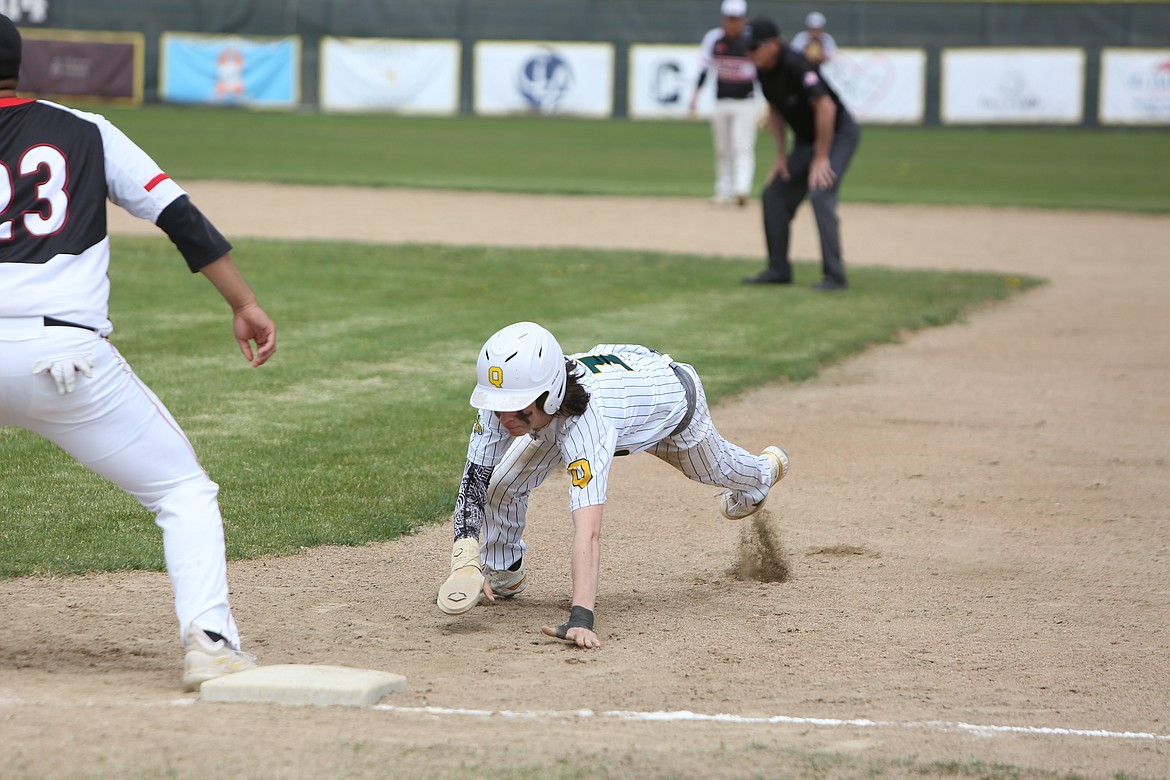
{"type": "Point", "coordinates": [388, 74]}
{"type": "Point", "coordinates": [661, 81]}
{"type": "Point", "coordinates": [880, 86]}
{"type": "Point", "coordinates": [1135, 87]}
{"type": "Point", "coordinates": [534, 77]}
{"type": "Point", "coordinates": [1013, 86]}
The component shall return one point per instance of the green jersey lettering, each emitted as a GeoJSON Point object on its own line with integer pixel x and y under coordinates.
{"type": "Point", "coordinates": [593, 362]}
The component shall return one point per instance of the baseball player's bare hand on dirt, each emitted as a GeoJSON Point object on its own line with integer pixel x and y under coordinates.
{"type": "Point", "coordinates": [579, 635]}
{"type": "Point", "coordinates": [488, 593]}
{"type": "Point", "coordinates": [250, 323]}
{"type": "Point", "coordinates": [821, 175]}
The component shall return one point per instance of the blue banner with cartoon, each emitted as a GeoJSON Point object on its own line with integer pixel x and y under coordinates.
{"type": "Point", "coordinates": [231, 70]}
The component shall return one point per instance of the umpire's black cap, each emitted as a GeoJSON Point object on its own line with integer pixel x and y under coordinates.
{"type": "Point", "coordinates": [758, 30]}
{"type": "Point", "coordinates": [10, 46]}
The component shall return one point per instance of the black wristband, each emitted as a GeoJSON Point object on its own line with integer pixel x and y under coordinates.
{"type": "Point", "coordinates": [579, 617]}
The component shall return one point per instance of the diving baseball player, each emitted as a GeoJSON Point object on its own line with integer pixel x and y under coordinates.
{"type": "Point", "coordinates": [59, 375]}
{"type": "Point", "coordinates": [540, 410]}
{"type": "Point", "coordinates": [735, 117]}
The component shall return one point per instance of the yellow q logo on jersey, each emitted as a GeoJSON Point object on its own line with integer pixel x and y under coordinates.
{"type": "Point", "coordinates": [496, 376]}
{"type": "Point", "coordinates": [579, 473]}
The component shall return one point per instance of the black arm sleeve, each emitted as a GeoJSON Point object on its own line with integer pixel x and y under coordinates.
{"type": "Point", "coordinates": [469, 506]}
{"type": "Point", "coordinates": [702, 78]}
{"type": "Point", "coordinates": [192, 233]}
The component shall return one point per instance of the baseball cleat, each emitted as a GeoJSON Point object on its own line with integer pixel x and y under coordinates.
{"type": "Point", "coordinates": [733, 507]}
{"type": "Point", "coordinates": [207, 659]}
{"type": "Point", "coordinates": [506, 583]}
{"type": "Point", "coordinates": [463, 588]}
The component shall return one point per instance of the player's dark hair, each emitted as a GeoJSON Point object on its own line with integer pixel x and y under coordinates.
{"type": "Point", "coordinates": [576, 396]}
{"type": "Point", "coordinates": [10, 51]}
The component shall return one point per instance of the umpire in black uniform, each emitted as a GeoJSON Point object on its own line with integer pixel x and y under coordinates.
{"type": "Point", "coordinates": [826, 136]}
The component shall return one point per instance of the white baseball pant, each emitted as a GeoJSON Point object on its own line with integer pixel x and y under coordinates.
{"type": "Point", "coordinates": [733, 127]}
{"type": "Point", "coordinates": [713, 461]}
{"type": "Point", "coordinates": [114, 425]}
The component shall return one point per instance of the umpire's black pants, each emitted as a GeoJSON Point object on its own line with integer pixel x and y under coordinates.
{"type": "Point", "coordinates": [781, 199]}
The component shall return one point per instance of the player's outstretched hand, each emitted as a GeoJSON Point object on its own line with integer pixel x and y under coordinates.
{"type": "Point", "coordinates": [578, 635]}
{"type": "Point", "coordinates": [252, 324]}
{"type": "Point", "coordinates": [488, 593]}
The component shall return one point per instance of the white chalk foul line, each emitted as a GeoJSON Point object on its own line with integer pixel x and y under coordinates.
{"type": "Point", "coordinates": [675, 716]}
{"type": "Point", "coordinates": [684, 715]}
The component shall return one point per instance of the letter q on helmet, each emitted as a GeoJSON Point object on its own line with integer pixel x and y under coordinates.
{"type": "Point", "coordinates": [516, 366]}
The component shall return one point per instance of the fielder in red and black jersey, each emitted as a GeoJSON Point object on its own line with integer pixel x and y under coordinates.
{"type": "Point", "coordinates": [59, 375]}
{"type": "Point", "coordinates": [734, 119]}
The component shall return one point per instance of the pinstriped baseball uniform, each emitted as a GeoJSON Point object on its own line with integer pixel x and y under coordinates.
{"type": "Point", "coordinates": [636, 403]}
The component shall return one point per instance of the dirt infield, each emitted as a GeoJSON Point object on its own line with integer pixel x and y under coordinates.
{"type": "Point", "coordinates": [976, 530]}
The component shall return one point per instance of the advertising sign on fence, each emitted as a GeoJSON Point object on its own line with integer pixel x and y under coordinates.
{"type": "Point", "coordinates": [880, 86]}
{"type": "Point", "coordinates": [1135, 87]}
{"type": "Point", "coordinates": [387, 74]}
{"type": "Point", "coordinates": [533, 77]}
{"type": "Point", "coordinates": [662, 80]}
{"type": "Point", "coordinates": [1013, 86]}
{"type": "Point", "coordinates": [83, 63]}
{"type": "Point", "coordinates": [230, 70]}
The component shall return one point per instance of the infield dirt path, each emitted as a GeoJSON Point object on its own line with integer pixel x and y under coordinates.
{"type": "Point", "coordinates": [977, 526]}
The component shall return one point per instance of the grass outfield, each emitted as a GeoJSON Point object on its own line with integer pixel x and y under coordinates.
{"type": "Point", "coordinates": [357, 431]}
{"type": "Point", "coordinates": [1031, 167]}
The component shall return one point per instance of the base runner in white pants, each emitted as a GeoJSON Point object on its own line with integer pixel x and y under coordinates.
{"type": "Point", "coordinates": [59, 375]}
{"type": "Point", "coordinates": [541, 410]}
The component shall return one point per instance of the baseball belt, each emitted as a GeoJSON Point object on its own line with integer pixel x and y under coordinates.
{"type": "Point", "coordinates": [688, 384]}
{"type": "Point", "coordinates": [53, 322]}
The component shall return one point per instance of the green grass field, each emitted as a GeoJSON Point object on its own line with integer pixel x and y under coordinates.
{"type": "Point", "coordinates": [357, 430]}
{"type": "Point", "coordinates": [1031, 167]}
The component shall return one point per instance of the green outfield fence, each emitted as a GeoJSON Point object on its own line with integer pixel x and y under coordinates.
{"type": "Point", "coordinates": [931, 25]}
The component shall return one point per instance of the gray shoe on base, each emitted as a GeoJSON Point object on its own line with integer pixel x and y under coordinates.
{"type": "Point", "coordinates": [733, 507]}
{"type": "Point", "coordinates": [506, 583]}
{"type": "Point", "coordinates": [207, 659]}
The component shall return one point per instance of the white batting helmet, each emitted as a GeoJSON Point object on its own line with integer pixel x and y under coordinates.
{"type": "Point", "coordinates": [516, 366]}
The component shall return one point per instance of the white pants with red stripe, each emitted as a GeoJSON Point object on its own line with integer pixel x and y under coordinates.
{"type": "Point", "coordinates": [115, 426]}
{"type": "Point", "coordinates": [733, 126]}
